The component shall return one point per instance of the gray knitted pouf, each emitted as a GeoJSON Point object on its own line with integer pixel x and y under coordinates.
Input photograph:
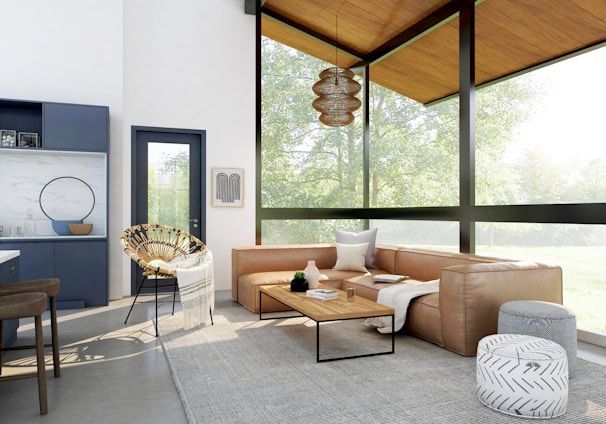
{"type": "Point", "coordinates": [541, 319]}
{"type": "Point", "coordinates": [520, 375]}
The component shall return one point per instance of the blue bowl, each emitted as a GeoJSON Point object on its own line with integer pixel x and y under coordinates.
{"type": "Point", "coordinates": [62, 227]}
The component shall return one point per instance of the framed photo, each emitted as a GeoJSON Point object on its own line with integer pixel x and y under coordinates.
{"type": "Point", "coordinates": [8, 138]}
{"type": "Point", "coordinates": [27, 139]}
{"type": "Point", "coordinates": [228, 187]}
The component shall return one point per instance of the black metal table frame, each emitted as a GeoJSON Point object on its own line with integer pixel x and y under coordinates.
{"type": "Point", "coordinates": [393, 334]}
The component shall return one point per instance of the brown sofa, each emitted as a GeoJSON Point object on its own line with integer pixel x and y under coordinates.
{"type": "Point", "coordinates": [465, 309]}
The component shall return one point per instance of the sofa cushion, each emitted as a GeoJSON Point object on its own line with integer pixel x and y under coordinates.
{"type": "Point", "coordinates": [367, 236]}
{"type": "Point", "coordinates": [366, 287]}
{"type": "Point", "coordinates": [351, 257]}
{"type": "Point", "coordinates": [424, 317]}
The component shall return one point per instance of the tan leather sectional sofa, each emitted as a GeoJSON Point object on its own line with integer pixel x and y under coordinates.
{"type": "Point", "coordinates": [465, 309]}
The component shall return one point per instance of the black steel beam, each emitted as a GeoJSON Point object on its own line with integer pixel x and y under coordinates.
{"type": "Point", "coordinates": [467, 123]}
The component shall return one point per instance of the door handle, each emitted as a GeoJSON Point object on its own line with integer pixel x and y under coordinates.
{"type": "Point", "coordinates": [195, 221]}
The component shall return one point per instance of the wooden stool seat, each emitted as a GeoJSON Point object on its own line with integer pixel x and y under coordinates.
{"type": "Point", "coordinates": [51, 287]}
{"type": "Point", "coordinates": [24, 305]}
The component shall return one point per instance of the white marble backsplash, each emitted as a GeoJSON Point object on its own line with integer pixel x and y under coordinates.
{"type": "Point", "coordinates": [24, 175]}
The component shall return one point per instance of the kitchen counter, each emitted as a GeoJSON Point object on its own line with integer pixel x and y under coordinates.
{"type": "Point", "coordinates": [7, 255]}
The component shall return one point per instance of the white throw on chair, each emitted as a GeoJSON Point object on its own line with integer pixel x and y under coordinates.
{"type": "Point", "coordinates": [162, 251]}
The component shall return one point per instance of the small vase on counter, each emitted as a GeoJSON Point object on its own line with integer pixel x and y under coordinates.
{"type": "Point", "coordinates": [29, 225]}
{"type": "Point", "coordinates": [312, 274]}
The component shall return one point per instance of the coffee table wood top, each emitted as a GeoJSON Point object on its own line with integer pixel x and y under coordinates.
{"type": "Point", "coordinates": [326, 310]}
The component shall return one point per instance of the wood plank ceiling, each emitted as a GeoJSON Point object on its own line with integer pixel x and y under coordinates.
{"type": "Point", "coordinates": [412, 45]}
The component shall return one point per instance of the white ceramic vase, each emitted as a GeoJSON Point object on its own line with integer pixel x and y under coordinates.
{"type": "Point", "coordinates": [312, 274]}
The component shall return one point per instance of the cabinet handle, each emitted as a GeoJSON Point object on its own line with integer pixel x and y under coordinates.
{"type": "Point", "coordinates": [12, 268]}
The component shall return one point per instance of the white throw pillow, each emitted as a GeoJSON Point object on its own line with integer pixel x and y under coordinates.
{"type": "Point", "coordinates": [366, 236]}
{"type": "Point", "coordinates": [351, 257]}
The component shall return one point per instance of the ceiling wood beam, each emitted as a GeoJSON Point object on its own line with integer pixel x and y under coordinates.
{"type": "Point", "coordinates": [312, 33]}
{"type": "Point", "coordinates": [435, 18]}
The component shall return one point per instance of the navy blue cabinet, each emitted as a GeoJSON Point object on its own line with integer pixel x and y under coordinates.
{"type": "Point", "coordinates": [9, 273]}
{"type": "Point", "coordinates": [81, 263]}
{"type": "Point", "coordinates": [37, 258]}
{"type": "Point", "coordinates": [82, 268]}
{"type": "Point", "coordinates": [61, 126]}
{"type": "Point", "coordinates": [75, 127]}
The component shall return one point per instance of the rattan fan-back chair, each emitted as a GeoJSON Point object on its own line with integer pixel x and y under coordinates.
{"type": "Point", "coordinates": [145, 243]}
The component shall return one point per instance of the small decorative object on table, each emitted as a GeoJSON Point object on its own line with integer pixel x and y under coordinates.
{"type": "Point", "coordinates": [389, 278]}
{"type": "Point", "coordinates": [299, 283]}
{"type": "Point", "coordinates": [322, 294]}
{"type": "Point", "coordinates": [312, 273]}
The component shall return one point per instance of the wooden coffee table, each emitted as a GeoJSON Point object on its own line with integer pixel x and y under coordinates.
{"type": "Point", "coordinates": [327, 310]}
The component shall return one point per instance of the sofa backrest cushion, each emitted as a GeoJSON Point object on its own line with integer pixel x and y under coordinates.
{"type": "Point", "coordinates": [425, 265]}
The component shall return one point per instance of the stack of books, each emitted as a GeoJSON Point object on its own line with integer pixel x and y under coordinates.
{"type": "Point", "coordinates": [322, 294]}
{"type": "Point", "coordinates": [389, 278]}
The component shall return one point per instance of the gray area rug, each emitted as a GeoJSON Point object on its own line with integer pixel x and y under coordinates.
{"type": "Point", "coordinates": [242, 370]}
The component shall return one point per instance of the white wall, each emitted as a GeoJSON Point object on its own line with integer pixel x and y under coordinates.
{"type": "Point", "coordinates": [191, 64]}
{"type": "Point", "coordinates": [178, 64]}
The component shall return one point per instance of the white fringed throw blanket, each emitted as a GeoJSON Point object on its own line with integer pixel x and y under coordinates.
{"type": "Point", "coordinates": [399, 297]}
{"type": "Point", "coordinates": [197, 291]}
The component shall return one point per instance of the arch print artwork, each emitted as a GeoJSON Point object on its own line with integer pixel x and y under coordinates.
{"type": "Point", "coordinates": [228, 187]}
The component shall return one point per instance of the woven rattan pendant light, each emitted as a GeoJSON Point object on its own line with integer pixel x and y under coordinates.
{"type": "Point", "coordinates": [336, 92]}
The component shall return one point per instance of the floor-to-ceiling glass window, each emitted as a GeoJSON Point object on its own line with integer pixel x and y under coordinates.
{"type": "Point", "coordinates": [539, 141]}
{"type": "Point", "coordinates": [546, 145]}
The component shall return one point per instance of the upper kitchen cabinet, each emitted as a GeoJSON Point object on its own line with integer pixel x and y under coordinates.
{"type": "Point", "coordinates": [55, 126]}
{"type": "Point", "coordinates": [75, 127]}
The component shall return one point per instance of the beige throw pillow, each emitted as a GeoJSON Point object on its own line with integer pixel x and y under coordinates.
{"type": "Point", "coordinates": [351, 257]}
{"type": "Point", "coordinates": [366, 236]}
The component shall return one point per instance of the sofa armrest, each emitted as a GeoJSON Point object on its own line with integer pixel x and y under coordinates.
{"type": "Point", "coordinates": [471, 295]}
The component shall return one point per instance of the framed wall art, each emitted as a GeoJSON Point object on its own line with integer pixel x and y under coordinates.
{"type": "Point", "coordinates": [228, 187]}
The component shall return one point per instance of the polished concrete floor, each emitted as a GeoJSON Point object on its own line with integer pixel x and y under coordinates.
{"type": "Point", "coordinates": [111, 372]}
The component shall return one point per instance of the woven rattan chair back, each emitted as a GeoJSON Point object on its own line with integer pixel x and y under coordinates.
{"type": "Point", "coordinates": [145, 243]}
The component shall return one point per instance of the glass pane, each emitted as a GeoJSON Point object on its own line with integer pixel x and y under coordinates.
{"type": "Point", "coordinates": [433, 235]}
{"type": "Point", "coordinates": [540, 136]}
{"type": "Point", "coordinates": [168, 184]}
{"type": "Point", "coordinates": [578, 249]}
{"type": "Point", "coordinates": [414, 151]}
{"type": "Point", "coordinates": [293, 231]}
{"type": "Point", "coordinates": [304, 163]}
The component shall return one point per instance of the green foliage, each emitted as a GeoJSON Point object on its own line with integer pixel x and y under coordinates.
{"type": "Point", "coordinates": [168, 191]}
{"type": "Point", "coordinates": [413, 155]}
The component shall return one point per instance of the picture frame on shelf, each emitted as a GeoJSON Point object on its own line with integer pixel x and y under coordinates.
{"type": "Point", "coordinates": [227, 187]}
{"type": "Point", "coordinates": [28, 139]}
{"type": "Point", "coordinates": [8, 138]}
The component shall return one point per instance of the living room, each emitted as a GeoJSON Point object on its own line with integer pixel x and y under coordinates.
{"type": "Point", "coordinates": [156, 64]}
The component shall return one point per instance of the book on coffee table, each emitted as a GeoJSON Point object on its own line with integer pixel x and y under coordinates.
{"type": "Point", "coordinates": [389, 278]}
{"type": "Point", "coordinates": [322, 294]}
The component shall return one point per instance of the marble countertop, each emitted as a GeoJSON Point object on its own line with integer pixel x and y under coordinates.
{"type": "Point", "coordinates": [7, 255]}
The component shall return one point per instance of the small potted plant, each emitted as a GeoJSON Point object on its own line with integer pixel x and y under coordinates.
{"type": "Point", "coordinates": [299, 283]}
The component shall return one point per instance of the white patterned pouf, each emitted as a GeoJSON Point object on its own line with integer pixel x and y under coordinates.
{"type": "Point", "coordinates": [547, 320]}
{"type": "Point", "coordinates": [522, 375]}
